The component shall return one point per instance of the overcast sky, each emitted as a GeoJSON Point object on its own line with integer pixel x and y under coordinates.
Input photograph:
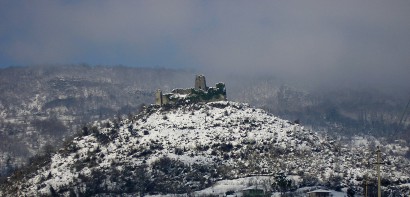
{"type": "Point", "coordinates": [318, 42]}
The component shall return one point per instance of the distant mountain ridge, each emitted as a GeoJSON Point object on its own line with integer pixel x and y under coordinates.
{"type": "Point", "coordinates": [178, 149]}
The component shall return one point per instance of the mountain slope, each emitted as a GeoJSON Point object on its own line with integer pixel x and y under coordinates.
{"type": "Point", "coordinates": [185, 148]}
{"type": "Point", "coordinates": [41, 105]}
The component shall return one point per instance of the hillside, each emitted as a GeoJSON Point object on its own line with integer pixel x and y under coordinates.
{"type": "Point", "coordinates": [41, 106]}
{"type": "Point", "coordinates": [187, 148]}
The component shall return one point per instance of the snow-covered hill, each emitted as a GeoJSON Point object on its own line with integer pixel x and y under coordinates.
{"type": "Point", "coordinates": [41, 105]}
{"type": "Point", "coordinates": [186, 148]}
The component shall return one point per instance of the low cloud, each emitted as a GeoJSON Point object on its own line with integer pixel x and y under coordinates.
{"type": "Point", "coordinates": [313, 42]}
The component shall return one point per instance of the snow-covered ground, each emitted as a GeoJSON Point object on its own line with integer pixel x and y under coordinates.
{"type": "Point", "coordinates": [244, 139]}
{"type": "Point", "coordinates": [235, 187]}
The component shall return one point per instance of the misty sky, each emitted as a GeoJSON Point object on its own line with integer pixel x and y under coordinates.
{"type": "Point", "coordinates": [354, 42]}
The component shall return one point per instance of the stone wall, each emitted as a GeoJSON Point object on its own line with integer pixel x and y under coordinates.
{"type": "Point", "coordinates": [158, 97]}
{"type": "Point", "coordinates": [200, 82]}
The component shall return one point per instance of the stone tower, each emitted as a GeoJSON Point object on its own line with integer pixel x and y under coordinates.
{"type": "Point", "coordinates": [200, 82]}
{"type": "Point", "coordinates": [158, 97]}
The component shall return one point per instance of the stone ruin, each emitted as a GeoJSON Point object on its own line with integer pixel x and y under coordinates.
{"type": "Point", "coordinates": [200, 93]}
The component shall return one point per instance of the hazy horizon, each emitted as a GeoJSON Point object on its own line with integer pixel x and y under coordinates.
{"type": "Point", "coordinates": [315, 43]}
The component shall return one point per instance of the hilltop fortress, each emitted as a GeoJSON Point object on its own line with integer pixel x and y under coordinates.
{"type": "Point", "coordinates": [200, 93]}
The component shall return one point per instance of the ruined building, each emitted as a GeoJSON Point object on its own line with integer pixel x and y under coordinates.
{"type": "Point", "coordinates": [200, 83]}
{"type": "Point", "coordinates": [200, 93]}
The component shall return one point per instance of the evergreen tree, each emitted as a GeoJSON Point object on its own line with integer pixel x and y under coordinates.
{"type": "Point", "coordinates": [282, 183]}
